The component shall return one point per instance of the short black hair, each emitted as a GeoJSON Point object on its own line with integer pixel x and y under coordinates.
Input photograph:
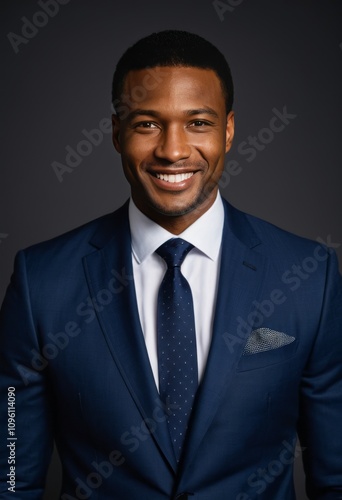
{"type": "Point", "coordinates": [173, 48]}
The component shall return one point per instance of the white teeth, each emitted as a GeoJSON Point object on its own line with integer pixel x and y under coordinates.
{"type": "Point", "coordinates": [174, 177]}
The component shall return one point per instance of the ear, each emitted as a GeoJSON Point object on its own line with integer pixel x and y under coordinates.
{"type": "Point", "coordinates": [229, 130]}
{"type": "Point", "coordinates": [116, 124]}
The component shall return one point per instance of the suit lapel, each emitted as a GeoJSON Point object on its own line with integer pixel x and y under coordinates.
{"type": "Point", "coordinates": [241, 280]}
{"type": "Point", "coordinates": [110, 268]}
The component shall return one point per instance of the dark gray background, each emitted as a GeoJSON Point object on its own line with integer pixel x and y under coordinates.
{"type": "Point", "coordinates": [282, 53]}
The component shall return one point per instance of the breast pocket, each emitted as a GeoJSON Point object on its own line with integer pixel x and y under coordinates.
{"type": "Point", "coordinates": [266, 346]}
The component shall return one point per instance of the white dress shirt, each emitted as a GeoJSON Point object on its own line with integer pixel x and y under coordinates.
{"type": "Point", "coordinates": [200, 267]}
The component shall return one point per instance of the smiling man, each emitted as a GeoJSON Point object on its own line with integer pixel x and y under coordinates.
{"type": "Point", "coordinates": [173, 144]}
{"type": "Point", "coordinates": [164, 346]}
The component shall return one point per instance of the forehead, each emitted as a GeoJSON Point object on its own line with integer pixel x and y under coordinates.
{"type": "Point", "coordinates": [174, 84]}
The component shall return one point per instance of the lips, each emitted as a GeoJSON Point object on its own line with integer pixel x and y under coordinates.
{"type": "Point", "coordinates": [173, 178]}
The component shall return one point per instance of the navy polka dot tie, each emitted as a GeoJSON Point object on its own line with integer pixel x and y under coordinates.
{"type": "Point", "coordinates": [177, 357]}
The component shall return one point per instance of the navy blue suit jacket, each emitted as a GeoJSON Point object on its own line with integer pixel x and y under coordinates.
{"type": "Point", "coordinates": [73, 350]}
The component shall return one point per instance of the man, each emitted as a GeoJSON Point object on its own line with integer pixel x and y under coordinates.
{"type": "Point", "coordinates": [176, 347]}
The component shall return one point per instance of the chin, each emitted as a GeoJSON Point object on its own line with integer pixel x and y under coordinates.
{"type": "Point", "coordinates": [173, 212]}
{"type": "Point", "coordinates": [179, 209]}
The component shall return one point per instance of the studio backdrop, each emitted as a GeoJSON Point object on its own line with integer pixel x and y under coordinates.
{"type": "Point", "coordinates": [60, 170]}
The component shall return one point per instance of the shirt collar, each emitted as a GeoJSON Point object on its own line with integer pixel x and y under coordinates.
{"type": "Point", "coordinates": [205, 233]}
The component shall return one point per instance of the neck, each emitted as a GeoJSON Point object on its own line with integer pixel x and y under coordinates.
{"type": "Point", "coordinates": [176, 224]}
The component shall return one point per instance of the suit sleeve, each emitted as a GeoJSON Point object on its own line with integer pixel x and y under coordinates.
{"type": "Point", "coordinates": [25, 413]}
{"type": "Point", "coordinates": [320, 425]}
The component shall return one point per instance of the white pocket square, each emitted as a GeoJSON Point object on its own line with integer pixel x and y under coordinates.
{"type": "Point", "coordinates": [265, 339]}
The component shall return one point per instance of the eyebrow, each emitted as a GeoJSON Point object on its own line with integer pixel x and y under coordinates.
{"type": "Point", "coordinates": [190, 112]}
{"type": "Point", "coordinates": [142, 112]}
{"type": "Point", "coordinates": [202, 111]}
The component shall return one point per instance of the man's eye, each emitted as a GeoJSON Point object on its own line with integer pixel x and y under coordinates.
{"type": "Point", "coordinates": [145, 125]}
{"type": "Point", "coordinates": [199, 123]}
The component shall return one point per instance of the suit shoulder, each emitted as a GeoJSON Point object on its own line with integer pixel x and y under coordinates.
{"type": "Point", "coordinates": [77, 241]}
{"type": "Point", "coordinates": [270, 239]}
{"type": "Point", "coordinates": [277, 235]}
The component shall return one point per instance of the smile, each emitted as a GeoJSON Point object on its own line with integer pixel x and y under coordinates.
{"type": "Point", "coordinates": [174, 177]}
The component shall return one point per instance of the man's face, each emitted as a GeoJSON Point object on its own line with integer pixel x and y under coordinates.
{"type": "Point", "coordinates": [172, 141]}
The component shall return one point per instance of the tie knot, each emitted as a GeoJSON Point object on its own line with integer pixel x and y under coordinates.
{"type": "Point", "coordinates": [174, 251]}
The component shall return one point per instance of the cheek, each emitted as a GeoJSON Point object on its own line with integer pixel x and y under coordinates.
{"type": "Point", "coordinates": [137, 151]}
{"type": "Point", "coordinates": [211, 146]}
{"type": "Point", "coordinates": [131, 155]}
{"type": "Point", "coordinates": [214, 155]}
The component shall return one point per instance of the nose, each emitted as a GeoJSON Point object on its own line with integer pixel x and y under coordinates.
{"type": "Point", "coordinates": [173, 145]}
